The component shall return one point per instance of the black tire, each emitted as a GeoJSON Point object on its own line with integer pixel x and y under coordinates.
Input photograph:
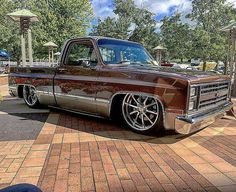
{"type": "Point", "coordinates": [30, 96]}
{"type": "Point", "coordinates": [142, 113]}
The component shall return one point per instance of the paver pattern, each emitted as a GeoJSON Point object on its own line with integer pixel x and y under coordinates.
{"type": "Point", "coordinates": [77, 153]}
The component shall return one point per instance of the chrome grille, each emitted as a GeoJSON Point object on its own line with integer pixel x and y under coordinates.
{"type": "Point", "coordinates": [213, 95]}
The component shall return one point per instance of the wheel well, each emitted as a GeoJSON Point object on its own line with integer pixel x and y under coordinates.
{"type": "Point", "coordinates": [116, 106]}
{"type": "Point", "coordinates": [20, 91]}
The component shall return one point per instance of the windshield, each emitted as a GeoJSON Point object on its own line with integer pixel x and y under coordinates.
{"type": "Point", "coordinates": [123, 52]}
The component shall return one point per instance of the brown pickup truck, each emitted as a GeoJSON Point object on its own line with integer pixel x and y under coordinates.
{"type": "Point", "coordinates": [113, 78]}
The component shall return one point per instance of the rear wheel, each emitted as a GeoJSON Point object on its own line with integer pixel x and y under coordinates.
{"type": "Point", "coordinates": [30, 96]}
{"type": "Point", "coordinates": [141, 113]}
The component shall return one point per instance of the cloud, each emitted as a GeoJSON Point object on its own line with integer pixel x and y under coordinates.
{"type": "Point", "coordinates": [160, 8]}
{"type": "Point", "coordinates": [103, 8]}
{"type": "Point", "coordinates": [233, 2]}
{"type": "Point", "coordinates": [164, 6]}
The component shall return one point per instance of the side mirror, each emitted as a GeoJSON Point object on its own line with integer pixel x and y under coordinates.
{"type": "Point", "coordinates": [85, 63]}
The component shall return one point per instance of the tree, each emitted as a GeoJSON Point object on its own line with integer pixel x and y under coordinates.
{"type": "Point", "coordinates": [176, 37]}
{"type": "Point", "coordinates": [132, 23]}
{"type": "Point", "coordinates": [58, 21]}
{"type": "Point", "coordinates": [9, 35]}
{"type": "Point", "coordinates": [210, 16]}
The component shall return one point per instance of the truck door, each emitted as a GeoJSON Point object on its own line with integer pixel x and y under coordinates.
{"type": "Point", "coordinates": [75, 80]}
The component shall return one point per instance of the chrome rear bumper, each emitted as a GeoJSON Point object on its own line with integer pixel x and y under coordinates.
{"type": "Point", "coordinates": [186, 124]}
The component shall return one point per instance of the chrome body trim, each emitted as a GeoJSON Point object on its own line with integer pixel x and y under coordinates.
{"type": "Point", "coordinates": [45, 97]}
{"type": "Point", "coordinates": [76, 102]}
{"type": "Point", "coordinates": [186, 124]}
{"type": "Point", "coordinates": [103, 107]}
{"type": "Point", "coordinates": [78, 112]}
{"type": "Point", "coordinates": [75, 96]}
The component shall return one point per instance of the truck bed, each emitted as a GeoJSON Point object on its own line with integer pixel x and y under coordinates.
{"type": "Point", "coordinates": [40, 77]}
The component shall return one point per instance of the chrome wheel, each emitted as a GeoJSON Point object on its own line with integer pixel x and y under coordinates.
{"type": "Point", "coordinates": [140, 112]}
{"type": "Point", "coordinates": [30, 96]}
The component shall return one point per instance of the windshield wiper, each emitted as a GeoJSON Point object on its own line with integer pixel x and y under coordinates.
{"type": "Point", "coordinates": [124, 62]}
{"type": "Point", "coordinates": [135, 63]}
{"type": "Point", "coordinates": [141, 64]}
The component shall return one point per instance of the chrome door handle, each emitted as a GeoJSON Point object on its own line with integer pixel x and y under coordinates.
{"type": "Point", "coordinates": [62, 69]}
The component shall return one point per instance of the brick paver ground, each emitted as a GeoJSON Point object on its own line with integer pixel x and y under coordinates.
{"type": "Point", "coordinates": [77, 153]}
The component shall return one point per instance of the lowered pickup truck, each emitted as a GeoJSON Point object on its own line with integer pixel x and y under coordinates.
{"type": "Point", "coordinates": [113, 78]}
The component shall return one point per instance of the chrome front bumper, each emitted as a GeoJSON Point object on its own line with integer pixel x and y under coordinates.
{"type": "Point", "coordinates": [186, 124]}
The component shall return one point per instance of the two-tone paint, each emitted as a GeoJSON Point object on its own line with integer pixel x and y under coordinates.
{"type": "Point", "coordinates": [92, 90]}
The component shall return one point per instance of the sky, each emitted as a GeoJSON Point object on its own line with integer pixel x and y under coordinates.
{"type": "Point", "coordinates": [160, 8]}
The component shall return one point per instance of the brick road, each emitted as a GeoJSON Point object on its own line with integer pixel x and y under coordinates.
{"type": "Point", "coordinates": [76, 153]}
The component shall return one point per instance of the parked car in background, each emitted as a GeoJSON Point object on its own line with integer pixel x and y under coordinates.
{"type": "Point", "coordinates": [166, 64]}
{"type": "Point", "coordinates": [191, 68]}
{"type": "Point", "coordinates": [118, 79]}
{"type": "Point", "coordinates": [195, 62]}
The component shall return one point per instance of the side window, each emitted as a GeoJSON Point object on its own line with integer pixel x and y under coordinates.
{"type": "Point", "coordinates": [81, 53]}
{"type": "Point", "coordinates": [108, 55]}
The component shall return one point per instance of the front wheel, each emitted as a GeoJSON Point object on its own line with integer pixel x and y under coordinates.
{"type": "Point", "coordinates": [141, 113]}
{"type": "Point", "coordinates": [30, 96]}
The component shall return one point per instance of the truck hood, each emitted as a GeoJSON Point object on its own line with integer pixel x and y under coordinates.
{"type": "Point", "coordinates": [191, 75]}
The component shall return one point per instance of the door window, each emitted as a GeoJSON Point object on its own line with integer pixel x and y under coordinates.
{"type": "Point", "coordinates": [81, 54]}
{"type": "Point", "coordinates": [108, 55]}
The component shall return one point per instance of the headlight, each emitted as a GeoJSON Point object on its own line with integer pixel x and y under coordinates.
{"type": "Point", "coordinates": [193, 98]}
{"type": "Point", "coordinates": [193, 91]}
{"type": "Point", "coordinates": [191, 105]}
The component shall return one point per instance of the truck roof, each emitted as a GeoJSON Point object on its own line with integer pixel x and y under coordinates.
{"type": "Point", "coordinates": [102, 37]}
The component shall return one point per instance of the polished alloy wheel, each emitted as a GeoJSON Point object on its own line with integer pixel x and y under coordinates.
{"type": "Point", "coordinates": [30, 96]}
{"type": "Point", "coordinates": [140, 112]}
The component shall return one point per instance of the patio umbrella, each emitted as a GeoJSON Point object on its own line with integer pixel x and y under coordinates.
{"type": "Point", "coordinates": [4, 54]}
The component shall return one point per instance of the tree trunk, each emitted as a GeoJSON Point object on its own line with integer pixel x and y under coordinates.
{"type": "Point", "coordinates": [18, 62]}
{"type": "Point", "coordinates": [226, 65]}
{"type": "Point", "coordinates": [204, 65]}
{"type": "Point", "coordinates": [217, 65]}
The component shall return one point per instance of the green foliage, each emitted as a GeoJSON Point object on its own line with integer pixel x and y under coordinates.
{"type": "Point", "coordinates": [204, 40]}
{"type": "Point", "coordinates": [176, 37]}
{"type": "Point", "coordinates": [208, 41]}
{"type": "Point", "coordinates": [63, 19]}
{"type": "Point", "coordinates": [210, 15]}
{"type": "Point", "coordinates": [58, 21]}
{"type": "Point", "coordinates": [9, 35]}
{"type": "Point", "coordinates": [132, 23]}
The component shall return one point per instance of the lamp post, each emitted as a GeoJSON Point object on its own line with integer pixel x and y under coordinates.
{"type": "Point", "coordinates": [159, 49]}
{"type": "Point", "coordinates": [24, 17]}
{"type": "Point", "coordinates": [231, 30]}
{"type": "Point", "coordinates": [50, 45]}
